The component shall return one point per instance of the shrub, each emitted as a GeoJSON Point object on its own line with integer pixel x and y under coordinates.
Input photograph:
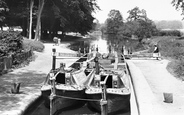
{"type": "Point", "coordinates": [37, 46]}
{"type": "Point", "coordinates": [32, 44]}
{"type": "Point", "coordinates": [172, 48]}
{"type": "Point", "coordinates": [10, 43]}
{"type": "Point", "coordinates": [169, 33]}
{"type": "Point", "coordinates": [177, 68]}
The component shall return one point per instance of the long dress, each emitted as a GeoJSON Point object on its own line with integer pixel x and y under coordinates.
{"type": "Point", "coordinates": [156, 53]}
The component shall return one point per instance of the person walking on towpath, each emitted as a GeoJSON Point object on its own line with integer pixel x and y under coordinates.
{"type": "Point", "coordinates": [156, 53]}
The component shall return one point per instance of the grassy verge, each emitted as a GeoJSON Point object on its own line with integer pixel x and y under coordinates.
{"type": "Point", "coordinates": [171, 48]}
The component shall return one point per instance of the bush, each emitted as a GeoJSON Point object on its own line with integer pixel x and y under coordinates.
{"type": "Point", "coordinates": [172, 48]}
{"type": "Point", "coordinates": [10, 43]}
{"type": "Point", "coordinates": [177, 68]}
{"type": "Point", "coordinates": [32, 44]}
{"type": "Point", "coordinates": [169, 33]}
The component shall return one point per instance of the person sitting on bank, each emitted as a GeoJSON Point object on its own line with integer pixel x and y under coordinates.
{"type": "Point", "coordinates": [156, 52]}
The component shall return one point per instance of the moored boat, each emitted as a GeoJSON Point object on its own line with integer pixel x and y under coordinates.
{"type": "Point", "coordinates": [69, 85]}
{"type": "Point", "coordinates": [117, 82]}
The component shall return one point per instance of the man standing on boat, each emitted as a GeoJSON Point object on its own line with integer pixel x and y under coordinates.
{"type": "Point", "coordinates": [156, 52]}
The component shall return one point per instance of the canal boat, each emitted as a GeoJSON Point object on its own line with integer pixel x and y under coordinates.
{"type": "Point", "coordinates": [117, 82]}
{"type": "Point", "coordinates": [69, 84]}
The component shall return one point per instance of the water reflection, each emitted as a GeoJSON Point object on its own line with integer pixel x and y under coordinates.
{"type": "Point", "coordinates": [101, 44]}
{"type": "Point", "coordinates": [82, 46]}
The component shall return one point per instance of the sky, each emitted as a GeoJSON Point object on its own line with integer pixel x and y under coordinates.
{"type": "Point", "coordinates": [156, 9]}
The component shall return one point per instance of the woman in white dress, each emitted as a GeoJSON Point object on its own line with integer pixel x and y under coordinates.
{"type": "Point", "coordinates": [156, 52]}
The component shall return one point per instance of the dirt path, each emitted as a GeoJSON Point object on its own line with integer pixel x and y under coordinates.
{"type": "Point", "coordinates": [31, 78]}
{"type": "Point", "coordinates": [160, 81]}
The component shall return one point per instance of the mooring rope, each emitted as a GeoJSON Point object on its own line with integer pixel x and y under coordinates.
{"type": "Point", "coordinates": [78, 98]}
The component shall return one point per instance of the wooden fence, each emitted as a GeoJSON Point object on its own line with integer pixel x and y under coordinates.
{"type": "Point", "coordinates": [6, 62]}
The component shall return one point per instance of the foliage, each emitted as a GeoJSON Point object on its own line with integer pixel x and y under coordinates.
{"type": "Point", "coordinates": [169, 33]}
{"type": "Point", "coordinates": [137, 14]}
{"type": "Point", "coordinates": [137, 24]}
{"type": "Point", "coordinates": [10, 43]}
{"type": "Point", "coordinates": [176, 67]}
{"type": "Point", "coordinates": [173, 49]}
{"type": "Point", "coordinates": [18, 11]}
{"type": "Point", "coordinates": [57, 15]}
{"type": "Point", "coordinates": [18, 14]}
{"type": "Point", "coordinates": [129, 28]}
{"type": "Point", "coordinates": [71, 15]}
{"type": "Point", "coordinates": [3, 12]}
{"type": "Point", "coordinates": [32, 44]}
{"type": "Point", "coordinates": [114, 21]}
{"type": "Point", "coordinates": [118, 41]}
{"type": "Point", "coordinates": [144, 26]}
{"type": "Point", "coordinates": [179, 5]}
{"type": "Point", "coordinates": [169, 24]}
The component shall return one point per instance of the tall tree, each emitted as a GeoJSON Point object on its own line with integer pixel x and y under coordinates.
{"type": "Point", "coordinates": [38, 26]}
{"type": "Point", "coordinates": [55, 15]}
{"type": "Point", "coordinates": [31, 18]}
{"type": "Point", "coordinates": [75, 15]}
{"type": "Point", "coordinates": [136, 14]}
{"type": "Point", "coordinates": [144, 26]}
{"type": "Point", "coordinates": [114, 21]}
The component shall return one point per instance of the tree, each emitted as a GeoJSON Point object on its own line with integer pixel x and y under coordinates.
{"type": "Point", "coordinates": [74, 15]}
{"type": "Point", "coordinates": [3, 12]}
{"type": "Point", "coordinates": [178, 4]}
{"type": "Point", "coordinates": [137, 14]}
{"type": "Point", "coordinates": [31, 18]}
{"type": "Point", "coordinates": [128, 29]}
{"type": "Point", "coordinates": [51, 15]}
{"type": "Point", "coordinates": [114, 21]}
{"type": "Point", "coordinates": [174, 24]}
{"type": "Point", "coordinates": [38, 26]}
{"type": "Point", "coordinates": [144, 26]}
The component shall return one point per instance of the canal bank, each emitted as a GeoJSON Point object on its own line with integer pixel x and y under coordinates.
{"type": "Point", "coordinates": [31, 78]}
{"type": "Point", "coordinates": [151, 81]}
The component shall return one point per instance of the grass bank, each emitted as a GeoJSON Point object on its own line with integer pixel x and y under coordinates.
{"type": "Point", "coordinates": [171, 48]}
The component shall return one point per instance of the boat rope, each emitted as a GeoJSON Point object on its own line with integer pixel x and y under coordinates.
{"type": "Point", "coordinates": [78, 98]}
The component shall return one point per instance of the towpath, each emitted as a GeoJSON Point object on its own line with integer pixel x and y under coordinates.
{"type": "Point", "coordinates": [161, 81]}
{"type": "Point", "coordinates": [31, 78]}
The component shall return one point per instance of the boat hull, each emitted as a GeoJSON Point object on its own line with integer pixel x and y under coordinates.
{"type": "Point", "coordinates": [60, 103]}
{"type": "Point", "coordinates": [115, 103]}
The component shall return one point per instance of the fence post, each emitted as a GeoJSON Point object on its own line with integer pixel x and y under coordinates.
{"type": "Point", "coordinates": [103, 101]}
{"type": "Point", "coordinates": [53, 91]}
{"type": "Point", "coordinates": [54, 59]}
{"type": "Point", "coordinates": [79, 52]}
{"type": "Point", "coordinates": [5, 62]}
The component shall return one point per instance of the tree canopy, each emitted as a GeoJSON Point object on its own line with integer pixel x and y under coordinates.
{"type": "Point", "coordinates": [3, 12]}
{"type": "Point", "coordinates": [114, 21]}
{"type": "Point", "coordinates": [57, 15]}
{"type": "Point", "coordinates": [179, 5]}
{"type": "Point", "coordinates": [137, 24]}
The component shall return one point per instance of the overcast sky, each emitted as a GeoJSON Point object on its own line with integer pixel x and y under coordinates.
{"type": "Point", "coordinates": [156, 9]}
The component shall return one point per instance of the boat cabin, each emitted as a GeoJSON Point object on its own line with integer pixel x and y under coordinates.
{"type": "Point", "coordinates": [112, 80]}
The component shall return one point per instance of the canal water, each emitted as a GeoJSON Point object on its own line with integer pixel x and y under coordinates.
{"type": "Point", "coordinates": [83, 45]}
{"type": "Point", "coordinates": [84, 110]}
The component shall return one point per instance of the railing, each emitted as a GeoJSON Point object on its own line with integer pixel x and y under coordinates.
{"type": "Point", "coordinates": [6, 62]}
